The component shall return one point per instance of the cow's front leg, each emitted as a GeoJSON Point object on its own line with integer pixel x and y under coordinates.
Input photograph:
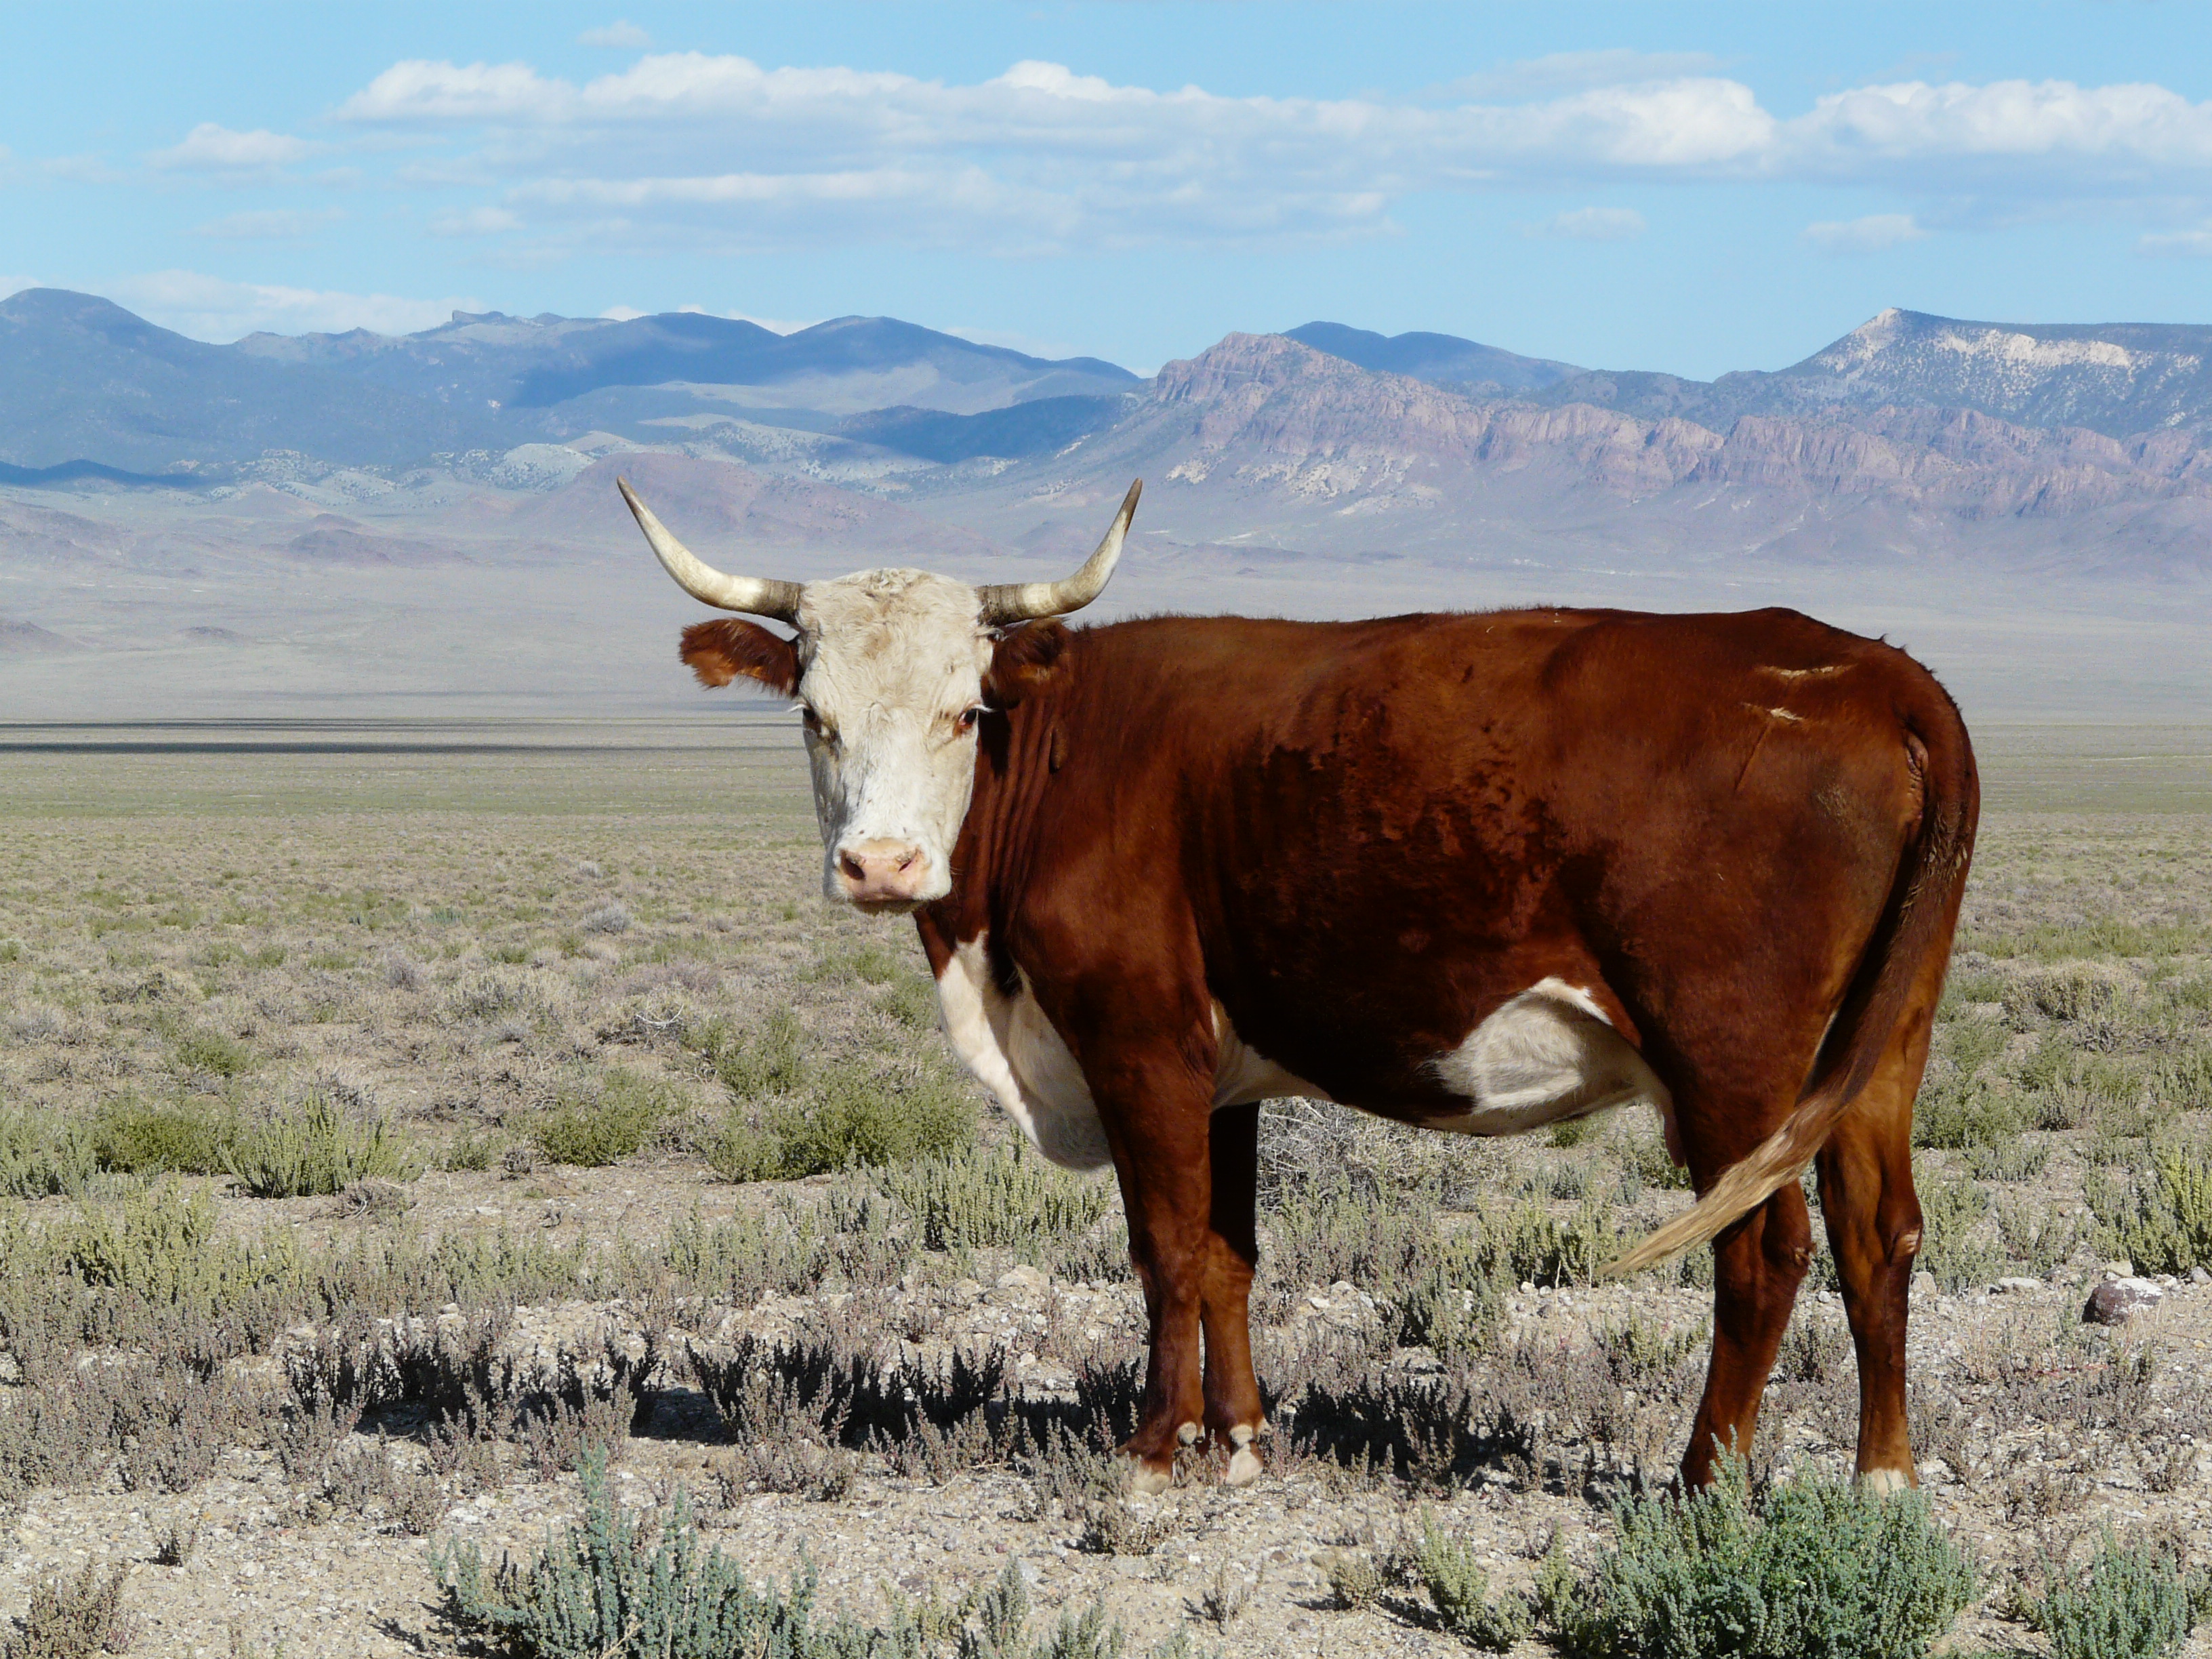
{"type": "Point", "coordinates": [1156, 1116]}
{"type": "Point", "coordinates": [1234, 1416]}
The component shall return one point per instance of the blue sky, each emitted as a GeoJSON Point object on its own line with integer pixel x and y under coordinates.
{"type": "Point", "coordinates": [1692, 188]}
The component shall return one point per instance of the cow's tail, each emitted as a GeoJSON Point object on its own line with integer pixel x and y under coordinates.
{"type": "Point", "coordinates": [1916, 921]}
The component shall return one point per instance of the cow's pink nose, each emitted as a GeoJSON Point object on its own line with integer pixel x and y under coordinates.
{"type": "Point", "coordinates": [877, 872]}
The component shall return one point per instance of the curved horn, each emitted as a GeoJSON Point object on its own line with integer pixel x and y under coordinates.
{"type": "Point", "coordinates": [750, 595]}
{"type": "Point", "coordinates": [1013, 602]}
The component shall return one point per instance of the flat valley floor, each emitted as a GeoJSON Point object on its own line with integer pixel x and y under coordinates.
{"type": "Point", "coordinates": [603, 1134]}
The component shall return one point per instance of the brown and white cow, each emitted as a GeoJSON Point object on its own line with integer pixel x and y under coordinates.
{"type": "Point", "coordinates": [1473, 872]}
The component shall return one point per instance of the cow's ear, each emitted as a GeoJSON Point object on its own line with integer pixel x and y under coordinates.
{"type": "Point", "coordinates": [729, 647]}
{"type": "Point", "coordinates": [1023, 659]}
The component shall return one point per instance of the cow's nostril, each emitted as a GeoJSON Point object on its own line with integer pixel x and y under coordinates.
{"type": "Point", "coordinates": [851, 867]}
{"type": "Point", "coordinates": [906, 859]}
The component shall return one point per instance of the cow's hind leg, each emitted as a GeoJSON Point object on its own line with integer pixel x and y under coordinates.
{"type": "Point", "coordinates": [1758, 1264]}
{"type": "Point", "coordinates": [1873, 1218]}
{"type": "Point", "coordinates": [1233, 1410]}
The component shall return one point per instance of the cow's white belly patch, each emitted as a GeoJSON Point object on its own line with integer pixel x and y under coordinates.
{"type": "Point", "coordinates": [1243, 1074]}
{"type": "Point", "coordinates": [1547, 1054]}
{"type": "Point", "coordinates": [1015, 1052]}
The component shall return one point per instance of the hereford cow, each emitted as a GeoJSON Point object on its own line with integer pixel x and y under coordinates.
{"type": "Point", "coordinates": [1477, 872]}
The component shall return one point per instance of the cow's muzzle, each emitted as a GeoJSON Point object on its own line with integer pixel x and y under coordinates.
{"type": "Point", "coordinates": [883, 874]}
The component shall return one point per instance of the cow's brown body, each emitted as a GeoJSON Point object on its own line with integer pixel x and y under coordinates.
{"type": "Point", "coordinates": [1358, 840]}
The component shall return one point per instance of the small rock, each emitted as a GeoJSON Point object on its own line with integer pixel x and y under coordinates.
{"type": "Point", "coordinates": [1030, 1572]}
{"type": "Point", "coordinates": [2199, 1276]}
{"type": "Point", "coordinates": [2118, 1300]}
{"type": "Point", "coordinates": [1924, 1284]}
{"type": "Point", "coordinates": [2016, 1286]}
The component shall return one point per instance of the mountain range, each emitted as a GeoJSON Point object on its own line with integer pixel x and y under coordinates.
{"type": "Point", "coordinates": [323, 515]}
{"type": "Point", "coordinates": [1983, 450]}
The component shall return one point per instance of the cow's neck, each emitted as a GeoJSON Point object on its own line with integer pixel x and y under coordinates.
{"type": "Point", "coordinates": [1015, 764]}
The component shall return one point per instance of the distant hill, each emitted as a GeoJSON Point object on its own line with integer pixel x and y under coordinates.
{"type": "Point", "coordinates": [1035, 428]}
{"type": "Point", "coordinates": [1444, 359]}
{"type": "Point", "coordinates": [2118, 379]}
{"type": "Point", "coordinates": [89, 388]}
{"type": "Point", "coordinates": [833, 369]}
{"type": "Point", "coordinates": [84, 380]}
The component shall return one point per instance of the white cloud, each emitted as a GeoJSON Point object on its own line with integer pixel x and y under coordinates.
{"type": "Point", "coordinates": [720, 151]}
{"type": "Point", "coordinates": [621, 35]}
{"type": "Point", "coordinates": [2177, 243]}
{"type": "Point", "coordinates": [273, 224]}
{"type": "Point", "coordinates": [2092, 129]}
{"type": "Point", "coordinates": [474, 221]}
{"type": "Point", "coordinates": [211, 149]}
{"type": "Point", "coordinates": [1593, 224]}
{"type": "Point", "coordinates": [211, 308]}
{"type": "Point", "coordinates": [1870, 234]}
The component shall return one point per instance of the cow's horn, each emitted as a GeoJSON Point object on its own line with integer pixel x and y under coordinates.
{"type": "Point", "coordinates": [750, 595]}
{"type": "Point", "coordinates": [1013, 602]}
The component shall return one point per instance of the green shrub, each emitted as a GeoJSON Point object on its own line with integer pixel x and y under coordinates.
{"type": "Point", "coordinates": [43, 1155]}
{"type": "Point", "coordinates": [1956, 1111]}
{"type": "Point", "coordinates": [140, 1138]}
{"type": "Point", "coordinates": [315, 1154]}
{"type": "Point", "coordinates": [2163, 1223]}
{"type": "Point", "coordinates": [2069, 992]}
{"type": "Point", "coordinates": [1456, 1304]}
{"type": "Point", "coordinates": [1459, 1590]}
{"type": "Point", "coordinates": [620, 1584]}
{"type": "Point", "coordinates": [850, 1113]}
{"type": "Point", "coordinates": [2014, 1159]}
{"type": "Point", "coordinates": [1532, 1246]}
{"type": "Point", "coordinates": [1573, 1131]}
{"type": "Point", "coordinates": [741, 1152]}
{"type": "Point", "coordinates": [471, 1150]}
{"type": "Point", "coordinates": [911, 1000]}
{"type": "Point", "coordinates": [591, 1129]}
{"type": "Point", "coordinates": [2181, 1082]}
{"type": "Point", "coordinates": [1638, 1352]}
{"type": "Point", "coordinates": [2135, 1601]}
{"type": "Point", "coordinates": [2035, 1236]}
{"type": "Point", "coordinates": [214, 1053]}
{"type": "Point", "coordinates": [1820, 1570]}
{"type": "Point", "coordinates": [1645, 1158]}
{"type": "Point", "coordinates": [986, 1200]}
{"type": "Point", "coordinates": [1950, 1248]}
{"type": "Point", "coordinates": [769, 1063]}
{"type": "Point", "coordinates": [74, 1617]}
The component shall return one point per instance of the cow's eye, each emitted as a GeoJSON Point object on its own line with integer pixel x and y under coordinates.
{"type": "Point", "coordinates": [968, 717]}
{"type": "Point", "coordinates": [813, 723]}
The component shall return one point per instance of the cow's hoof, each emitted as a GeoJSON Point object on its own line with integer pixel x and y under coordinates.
{"type": "Point", "coordinates": [1244, 1465]}
{"type": "Point", "coordinates": [1150, 1480]}
{"type": "Point", "coordinates": [1880, 1483]}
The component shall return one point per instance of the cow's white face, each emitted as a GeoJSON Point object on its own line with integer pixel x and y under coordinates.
{"type": "Point", "coordinates": [891, 666]}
